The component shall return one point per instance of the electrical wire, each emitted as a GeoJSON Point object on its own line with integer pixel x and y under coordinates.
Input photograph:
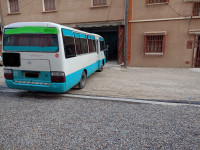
{"type": "Point", "coordinates": [174, 10]}
{"type": "Point", "coordinates": [190, 19]}
{"type": "Point", "coordinates": [26, 4]}
{"type": "Point", "coordinates": [8, 7]}
{"type": "Point", "coordinates": [21, 7]}
{"type": "Point", "coordinates": [109, 10]}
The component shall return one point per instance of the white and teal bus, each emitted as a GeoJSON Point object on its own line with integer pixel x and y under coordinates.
{"type": "Point", "coordinates": [48, 57]}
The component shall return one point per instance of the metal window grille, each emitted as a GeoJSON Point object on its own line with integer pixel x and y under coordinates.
{"type": "Point", "coordinates": [156, 1]}
{"type": "Point", "coordinates": [196, 9]}
{"type": "Point", "coordinates": [99, 2]}
{"type": "Point", "coordinates": [49, 5]}
{"type": "Point", "coordinates": [14, 7]}
{"type": "Point", "coordinates": [154, 44]}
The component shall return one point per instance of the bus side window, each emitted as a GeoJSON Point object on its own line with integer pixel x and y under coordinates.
{"type": "Point", "coordinates": [97, 46]}
{"type": "Point", "coordinates": [78, 46]}
{"type": "Point", "coordinates": [81, 43]}
{"type": "Point", "coordinates": [102, 45]}
{"type": "Point", "coordinates": [69, 46]}
{"type": "Point", "coordinates": [92, 45]}
{"type": "Point", "coordinates": [84, 46]}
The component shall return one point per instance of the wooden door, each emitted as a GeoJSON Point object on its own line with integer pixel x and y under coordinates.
{"type": "Point", "coordinates": [197, 53]}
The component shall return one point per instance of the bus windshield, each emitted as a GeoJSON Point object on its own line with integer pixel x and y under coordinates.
{"type": "Point", "coordinates": [33, 42]}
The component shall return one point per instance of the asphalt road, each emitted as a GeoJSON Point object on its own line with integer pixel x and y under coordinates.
{"type": "Point", "coordinates": [29, 121]}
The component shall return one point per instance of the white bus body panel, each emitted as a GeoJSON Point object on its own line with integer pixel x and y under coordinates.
{"type": "Point", "coordinates": [46, 62]}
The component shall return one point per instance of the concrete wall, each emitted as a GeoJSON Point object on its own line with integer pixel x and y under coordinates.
{"type": "Point", "coordinates": [158, 11]}
{"type": "Point", "coordinates": [144, 20]}
{"type": "Point", "coordinates": [68, 12]}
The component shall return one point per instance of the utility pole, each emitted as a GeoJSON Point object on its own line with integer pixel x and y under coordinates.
{"type": "Point", "coordinates": [1, 17]}
{"type": "Point", "coordinates": [1, 14]}
{"type": "Point", "coordinates": [126, 33]}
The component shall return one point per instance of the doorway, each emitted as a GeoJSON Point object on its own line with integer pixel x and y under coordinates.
{"type": "Point", "coordinates": [197, 54]}
{"type": "Point", "coordinates": [110, 35]}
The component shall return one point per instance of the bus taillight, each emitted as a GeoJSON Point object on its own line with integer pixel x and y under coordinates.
{"type": "Point", "coordinates": [57, 77]}
{"type": "Point", "coordinates": [8, 74]}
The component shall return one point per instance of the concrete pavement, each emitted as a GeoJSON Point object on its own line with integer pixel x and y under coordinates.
{"type": "Point", "coordinates": [141, 83]}
{"type": "Point", "coordinates": [144, 83]}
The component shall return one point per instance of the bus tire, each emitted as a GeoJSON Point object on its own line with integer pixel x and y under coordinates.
{"type": "Point", "coordinates": [101, 68]}
{"type": "Point", "coordinates": [82, 81]}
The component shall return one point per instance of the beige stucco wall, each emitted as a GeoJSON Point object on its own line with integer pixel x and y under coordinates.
{"type": "Point", "coordinates": [68, 12]}
{"type": "Point", "coordinates": [158, 11]}
{"type": "Point", "coordinates": [176, 54]}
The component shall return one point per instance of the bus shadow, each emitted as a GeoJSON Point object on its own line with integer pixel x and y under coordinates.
{"type": "Point", "coordinates": [37, 96]}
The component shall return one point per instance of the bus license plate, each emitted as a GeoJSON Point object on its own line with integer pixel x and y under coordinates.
{"type": "Point", "coordinates": [32, 75]}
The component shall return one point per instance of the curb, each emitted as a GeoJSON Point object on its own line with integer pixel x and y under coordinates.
{"type": "Point", "coordinates": [105, 98]}
{"type": "Point", "coordinates": [135, 100]}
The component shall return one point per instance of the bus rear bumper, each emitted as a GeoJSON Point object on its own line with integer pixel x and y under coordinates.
{"type": "Point", "coordinates": [53, 87]}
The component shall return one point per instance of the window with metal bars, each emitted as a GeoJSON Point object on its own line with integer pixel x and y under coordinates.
{"type": "Point", "coordinates": [49, 5]}
{"type": "Point", "coordinates": [99, 2]}
{"type": "Point", "coordinates": [154, 44]}
{"type": "Point", "coordinates": [156, 1]}
{"type": "Point", "coordinates": [196, 9]}
{"type": "Point", "coordinates": [14, 7]}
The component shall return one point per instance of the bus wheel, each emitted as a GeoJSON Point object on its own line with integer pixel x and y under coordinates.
{"type": "Point", "coordinates": [83, 80]}
{"type": "Point", "coordinates": [101, 68]}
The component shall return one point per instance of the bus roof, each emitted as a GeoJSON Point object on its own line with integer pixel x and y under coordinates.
{"type": "Point", "coordinates": [46, 24]}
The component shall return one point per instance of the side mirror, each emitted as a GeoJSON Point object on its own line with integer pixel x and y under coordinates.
{"type": "Point", "coordinates": [107, 47]}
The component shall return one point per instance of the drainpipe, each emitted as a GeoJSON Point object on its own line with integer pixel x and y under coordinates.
{"type": "Point", "coordinates": [126, 33]}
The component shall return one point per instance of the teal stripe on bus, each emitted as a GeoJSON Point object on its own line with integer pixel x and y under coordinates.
{"type": "Point", "coordinates": [77, 35]}
{"type": "Point", "coordinates": [91, 37]}
{"type": "Point", "coordinates": [101, 39]}
{"type": "Point", "coordinates": [83, 36]}
{"type": "Point", "coordinates": [30, 48]}
{"type": "Point", "coordinates": [44, 77]}
{"type": "Point", "coordinates": [54, 87]}
{"type": "Point", "coordinates": [67, 32]}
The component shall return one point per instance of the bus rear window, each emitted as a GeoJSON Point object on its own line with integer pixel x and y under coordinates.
{"type": "Point", "coordinates": [30, 42]}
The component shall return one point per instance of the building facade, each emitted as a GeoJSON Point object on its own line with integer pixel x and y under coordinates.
{"type": "Point", "coordinates": [104, 17]}
{"type": "Point", "coordinates": [161, 33]}
{"type": "Point", "coordinates": [164, 33]}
